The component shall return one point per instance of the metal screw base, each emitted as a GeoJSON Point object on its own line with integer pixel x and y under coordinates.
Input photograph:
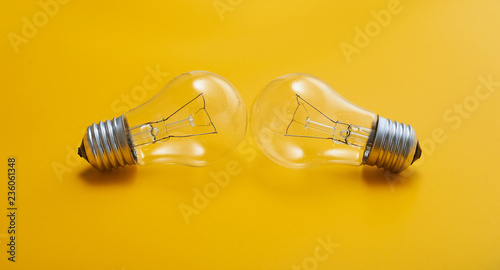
{"type": "Point", "coordinates": [107, 145]}
{"type": "Point", "coordinates": [394, 146]}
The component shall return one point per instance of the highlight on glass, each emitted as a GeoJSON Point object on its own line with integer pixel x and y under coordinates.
{"type": "Point", "coordinates": [197, 118]}
{"type": "Point", "coordinates": [299, 121]}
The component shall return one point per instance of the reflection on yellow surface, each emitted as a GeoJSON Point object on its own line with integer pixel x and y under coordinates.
{"type": "Point", "coordinates": [436, 65]}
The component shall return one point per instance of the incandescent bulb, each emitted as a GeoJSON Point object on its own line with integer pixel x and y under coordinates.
{"type": "Point", "coordinates": [299, 121]}
{"type": "Point", "coordinates": [197, 118]}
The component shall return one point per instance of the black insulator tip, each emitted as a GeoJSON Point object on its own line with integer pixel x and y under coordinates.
{"type": "Point", "coordinates": [418, 153]}
{"type": "Point", "coordinates": [81, 151]}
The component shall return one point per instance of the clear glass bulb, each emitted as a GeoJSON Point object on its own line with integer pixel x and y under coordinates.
{"type": "Point", "coordinates": [299, 121]}
{"type": "Point", "coordinates": [198, 117]}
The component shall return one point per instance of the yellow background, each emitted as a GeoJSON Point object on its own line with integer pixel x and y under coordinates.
{"type": "Point", "coordinates": [443, 213]}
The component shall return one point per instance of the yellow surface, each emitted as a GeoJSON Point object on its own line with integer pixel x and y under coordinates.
{"type": "Point", "coordinates": [83, 61]}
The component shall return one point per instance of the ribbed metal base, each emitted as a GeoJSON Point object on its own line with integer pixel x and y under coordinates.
{"type": "Point", "coordinates": [106, 145]}
{"type": "Point", "coordinates": [394, 146]}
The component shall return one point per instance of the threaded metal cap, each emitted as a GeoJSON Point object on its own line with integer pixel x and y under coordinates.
{"type": "Point", "coordinates": [106, 145]}
{"type": "Point", "coordinates": [394, 146]}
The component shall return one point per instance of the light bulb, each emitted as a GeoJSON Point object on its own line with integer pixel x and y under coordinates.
{"type": "Point", "coordinates": [299, 121]}
{"type": "Point", "coordinates": [198, 117]}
